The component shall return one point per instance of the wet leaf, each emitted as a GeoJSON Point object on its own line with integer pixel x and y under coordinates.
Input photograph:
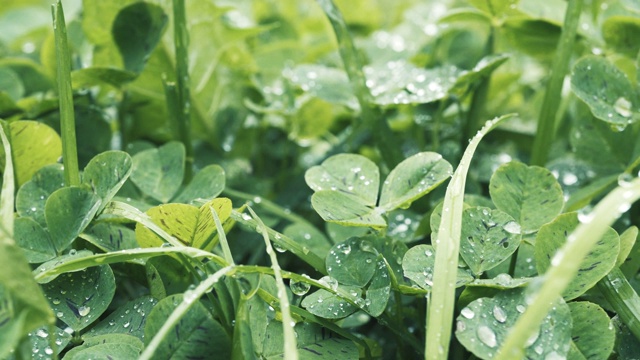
{"type": "Point", "coordinates": [378, 292]}
{"type": "Point", "coordinates": [352, 262]}
{"type": "Point", "coordinates": [194, 335]}
{"type": "Point", "coordinates": [484, 324]}
{"type": "Point", "coordinates": [314, 342]}
{"type": "Point", "coordinates": [627, 241]}
{"type": "Point", "coordinates": [94, 76]}
{"type": "Point", "coordinates": [310, 237]}
{"type": "Point", "coordinates": [159, 172]}
{"type": "Point", "coordinates": [68, 211]}
{"type": "Point", "coordinates": [528, 193]}
{"type": "Point", "coordinates": [34, 240]}
{"type": "Point", "coordinates": [488, 237]}
{"type": "Point", "coordinates": [606, 90]}
{"type": "Point", "coordinates": [110, 237]}
{"type": "Point", "coordinates": [592, 333]}
{"type": "Point", "coordinates": [117, 346]}
{"type": "Point", "coordinates": [136, 31]}
{"type": "Point", "coordinates": [345, 209]}
{"type": "Point", "coordinates": [79, 298]}
{"type": "Point", "coordinates": [32, 196]}
{"type": "Point", "coordinates": [129, 319]}
{"type": "Point", "coordinates": [620, 33]}
{"type": "Point", "coordinates": [535, 37]}
{"type": "Point", "coordinates": [206, 184]}
{"type": "Point", "coordinates": [190, 225]}
{"type": "Point", "coordinates": [596, 265]}
{"type": "Point", "coordinates": [413, 178]}
{"type": "Point", "coordinates": [329, 84]}
{"type": "Point", "coordinates": [39, 342]}
{"type": "Point", "coordinates": [330, 306]}
{"type": "Point", "coordinates": [106, 173]}
{"type": "Point", "coordinates": [418, 264]}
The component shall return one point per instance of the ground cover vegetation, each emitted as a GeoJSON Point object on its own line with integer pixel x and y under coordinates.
{"type": "Point", "coordinates": [266, 179]}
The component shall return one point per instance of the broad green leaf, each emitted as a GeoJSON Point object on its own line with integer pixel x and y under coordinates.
{"type": "Point", "coordinates": [159, 172]}
{"type": "Point", "coordinates": [352, 262]}
{"type": "Point", "coordinates": [483, 325]}
{"type": "Point", "coordinates": [195, 335]}
{"type": "Point", "coordinates": [32, 74]}
{"type": "Point", "coordinates": [597, 264]}
{"type": "Point", "coordinates": [243, 343]}
{"type": "Point", "coordinates": [606, 90]}
{"type": "Point", "coordinates": [39, 342]}
{"type": "Point", "coordinates": [56, 262]}
{"type": "Point", "coordinates": [329, 305]}
{"type": "Point", "coordinates": [329, 84]}
{"type": "Point", "coordinates": [605, 151]}
{"type": "Point", "coordinates": [528, 193]}
{"type": "Point", "coordinates": [402, 225]}
{"type": "Point", "coordinates": [110, 346]}
{"type": "Point", "coordinates": [11, 84]}
{"type": "Point", "coordinates": [312, 120]}
{"type": "Point", "coordinates": [314, 343]}
{"type": "Point", "coordinates": [257, 309]}
{"type": "Point", "coordinates": [79, 298]}
{"type": "Point", "coordinates": [129, 318]}
{"type": "Point", "coordinates": [351, 174]}
{"type": "Point", "coordinates": [33, 240]}
{"type": "Point", "coordinates": [110, 237]}
{"type": "Point", "coordinates": [33, 145]}
{"type": "Point", "coordinates": [339, 233]}
{"type": "Point", "coordinates": [532, 36]}
{"type": "Point", "coordinates": [400, 82]}
{"type": "Point", "coordinates": [95, 76]}
{"type": "Point", "coordinates": [413, 178]}
{"type": "Point", "coordinates": [418, 265]}
{"type": "Point", "coordinates": [483, 68]}
{"type": "Point", "coordinates": [465, 15]}
{"type": "Point", "coordinates": [68, 211]}
{"type": "Point", "coordinates": [136, 30]}
{"type": "Point", "coordinates": [310, 237]}
{"type": "Point", "coordinates": [495, 8]}
{"type": "Point", "coordinates": [206, 184]}
{"type": "Point", "coordinates": [106, 173]}
{"type": "Point", "coordinates": [627, 241]}
{"type": "Point", "coordinates": [592, 333]}
{"type": "Point", "coordinates": [378, 292]}
{"type": "Point", "coordinates": [167, 276]}
{"type": "Point", "coordinates": [190, 225]}
{"type": "Point", "coordinates": [393, 251]}
{"type": "Point", "coordinates": [620, 33]}
{"type": "Point", "coordinates": [346, 209]}
{"type": "Point", "coordinates": [488, 237]}
{"type": "Point", "coordinates": [32, 196]}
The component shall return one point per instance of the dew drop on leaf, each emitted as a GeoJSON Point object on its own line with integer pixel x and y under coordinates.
{"type": "Point", "coordinates": [512, 227]}
{"type": "Point", "coordinates": [487, 336]}
{"type": "Point", "coordinates": [460, 326]}
{"type": "Point", "coordinates": [42, 333]}
{"type": "Point", "coordinates": [84, 310]}
{"type": "Point", "coordinates": [279, 248]}
{"type": "Point", "coordinates": [299, 288]}
{"type": "Point", "coordinates": [329, 282]}
{"type": "Point", "coordinates": [623, 107]}
{"type": "Point", "coordinates": [499, 314]}
{"type": "Point", "coordinates": [467, 313]}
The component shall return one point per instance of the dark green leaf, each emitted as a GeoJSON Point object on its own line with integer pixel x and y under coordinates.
{"type": "Point", "coordinates": [129, 318]}
{"type": "Point", "coordinates": [592, 333]}
{"type": "Point", "coordinates": [352, 262]}
{"type": "Point", "coordinates": [206, 184]}
{"type": "Point", "coordinates": [418, 264]}
{"type": "Point", "coordinates": [106, 173]}
{"type": "Point", "coordinates": [159, 172]}
{"type": "Point", "coordinates": [34, 240]}
{"type": "Point", "coordinates": [68, 211]}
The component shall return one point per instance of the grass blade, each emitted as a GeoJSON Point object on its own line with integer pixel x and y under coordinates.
{"type": "Point", "coordinates": [442, 297]}
{"type": "Point", "coordinates": [67, 117]}
{"type": "Point", "coordinates": [565, 264]}
{"type": "Point", "coordinates": [624, 300]}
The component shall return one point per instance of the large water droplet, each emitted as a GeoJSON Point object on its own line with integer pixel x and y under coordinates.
{"type": "Point", "coordinates": [467, 313]}
{"type": "Point", "coordinates": [487, 336]}
{"type": "Point", "coordinates": [84, 310]}
{"type": "Point", "coordinates": [299, 288]}
{"type": "Point", "coordinates": [625, 179]}
{"type": "Point", "coordinates": [499, 314]}
{"type": "Point", "coordinates": [623, 107]}
{"type": "Point", "coordinates": [512, 227]}
{"type": "Point", "coordinates": [329, 282]}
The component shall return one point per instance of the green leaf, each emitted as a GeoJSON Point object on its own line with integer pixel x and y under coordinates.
{"type": "Point", "coordinates": [33, 145]}
{"type": "Point", "coordinates": [314, 342]}
{"type": "Point", "coordinates": [68, 211]}
{"type": "Point", "coordinates": [532, 36]}
{"type": "Point", "coordinates": [483, 326]}
{"type": "Point", "coordinates": [107, 172]}
{"type": "Point", "coordinates": [136, 30]}
{"type": "Point", "coordinates": [39, 341]}
{"type": "Point", "coordinates": [95, 76]}
{"type": "Point", "coordinates": [483, 69]}
{"type": "Point", "coordinates": [352, 262]}
{"type": "Point", "coordinates": [351, 174]}
{"type": "Point", "coordinates": [378, 292]}
{"type": "Point", "coordinates": [159, 172]}
{"type": "Point", "coordinates": [418, 265]}
{"type": "Point", "coordinates": [190, 225]}
{"type": "Point", "coordinates": [309, 236]}
{"type": "Point", "coordinates": [32, 196]}
{"type": "Point", "coordinates": [488, 237]}
{"type": "Point", "coordinates": [627, 241]}
{"type": "Point", "coordinates": [329, 305]}
{"type": "Point", "coordinates": [528, 193]}
{"type": "Point", "coordinates": [10, 84]}
{"type": "Point", "coordinates": [495, 8]}
{"type": "Point", "coordinates": [110, 346]}
{"type": "Point", "coordinates": [413, 178]}
{"type": "Point", "coordinates": [345, 209]}
{"type": "Point", "coordinates": [206, 184]}
{"type": "Point", "coordinates": [620, 33]}
{"type": "Point", "coordinates": [79, 298]}
{"type": "Point", "coordinates": [597, 264]}
{"type": "Point", "coordinates": [34, 240]}
{"type": "Point", "coordinates": [129, 319]}
{"type": "Point", "coordinates": [627, 345]}
{"type": "Point", "coordinates": [606, 90]}
{"type": "Point", "coordinates": [195, 335]}
{"type": "Point", "coordinates": [110, 237]}
{"type": "Point", "coordinates": [592, 333]}
{"type": "Point", "coordinates": [329, 84]}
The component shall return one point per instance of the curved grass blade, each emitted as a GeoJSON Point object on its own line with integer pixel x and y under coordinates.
{"type": "Point", "coordinates": [440, 308]}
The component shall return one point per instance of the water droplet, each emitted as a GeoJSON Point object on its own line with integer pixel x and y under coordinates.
{"type": "Point", "coordinates": [73, 252]}
{"type": "Point", "coordinates": [623, 107]}
{"type": "Point", "coordinates": [299, 288]}
{"type": "Point", "coordinates": [428, 253]}
{"type": "Point", "coordinates": [189, 296]}
{"type": "Point", "coordinates": [520, 308]}
{"type": "Point", "coordinates": [345, 248]}
{"type": "Point", "coordinates": [460, 326]}
{"type": "Point", "coordinates": [499, 314]}
{"type": "Point", "coordinates": [257, 199]}
{"type": "Point", "coordinates": [467, 313]}
{"type": "Point", "coordinates": [56, 301]}
{"type": "Point", "coordinates": [59, 314]}
{"type": "Point", "coordinates": [126, 325]}
{"type": "Point", "coordinates": [512, 227]}
{"type": "Point", "coordinates": [42, 333]}
{"type": "Point", "coordinates": [585, 215]}
{"type": "Point", "coordinates": [48, 350]}
{"type": "Point", "coordinates": [487, 336]}
{"type": "Point", "coordinates": [625, 179]}
{"type": "Point", "coordinates": [554, 356]}
{"type": "Point", "coordinates": [279, 248]}
{"type": "Point", "coordinates": [84, 310]}
{"type": "Point", "coordinates": [246, 217]}
{"type": "Point", "coordinates": [329, 282]}
{"type": "Point", "coordinates": [569, 178]}
{"type": "Point", "coordinates": [532, 339]}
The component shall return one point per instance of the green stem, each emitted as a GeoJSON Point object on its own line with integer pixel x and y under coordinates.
{"type": "Point", "coordinates": [624, 300]}
{"type": "Point", "coordinates": [565, 266]}
{"type": "Point", "coordinates": [181, 41]}
{"type": "Point", "coordinates": [353, 66]}
{"type": "Point", "coordinates": [552, 97]}
{"type": "Point", "coordinates": [67, 118]}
